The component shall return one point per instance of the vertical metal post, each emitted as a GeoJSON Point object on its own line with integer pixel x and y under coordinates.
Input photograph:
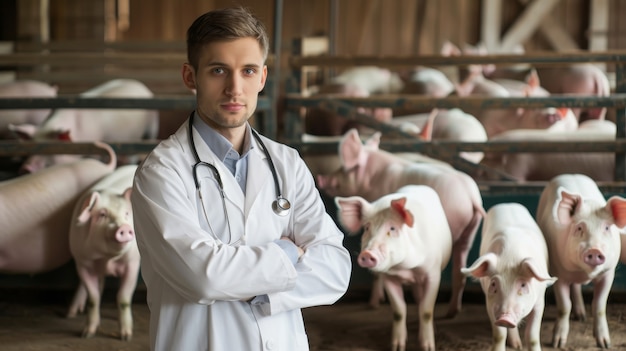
{"type": "Point", "coordinates": [620, 120]}
{"type": "Point", "coordinates": [271, 119]}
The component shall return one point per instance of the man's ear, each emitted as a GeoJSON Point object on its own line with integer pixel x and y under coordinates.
{"type": "Point", "coordinates": [189, 76]}
{"type": "Point", "coordinates": [263, 78]}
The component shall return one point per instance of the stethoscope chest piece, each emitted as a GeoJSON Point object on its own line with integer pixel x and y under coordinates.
{"type": "Point", "coordinates": [281, 206]}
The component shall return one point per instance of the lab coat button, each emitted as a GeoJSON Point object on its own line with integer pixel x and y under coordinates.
{"type": "Point", "coordinates": [269, 345]}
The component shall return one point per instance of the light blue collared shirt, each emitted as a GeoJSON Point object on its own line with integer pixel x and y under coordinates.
{"type": "Point", "coordinates": [223, 149]}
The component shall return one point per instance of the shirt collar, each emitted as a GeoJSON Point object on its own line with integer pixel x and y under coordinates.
{"type": "Point", "coordinates": [216, 141]}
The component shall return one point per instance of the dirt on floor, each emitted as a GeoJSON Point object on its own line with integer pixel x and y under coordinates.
{"type": "Point", "coordinates": [37, 323]}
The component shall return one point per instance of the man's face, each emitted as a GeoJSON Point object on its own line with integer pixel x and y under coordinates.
{"type": "Point", "coordinates": [229, 77]}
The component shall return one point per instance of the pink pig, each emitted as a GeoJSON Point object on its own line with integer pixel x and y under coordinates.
{"type": "Point", "coordinates": [24, 89]}
{"type": "Point", "coordinates": [35, 212]}
{"type": "Point", "coordinates": [102, 242]}
{"type": "Point", "coordinates": [371, 173]}
{"type": "Point", "coordinates": [84, 125]}
{"type": "Point", "coordinates": [407, 240]}
{"type": "Point", "coordinates": [582, 231]}
{"type": "Point", "coordinates": [513, 273]}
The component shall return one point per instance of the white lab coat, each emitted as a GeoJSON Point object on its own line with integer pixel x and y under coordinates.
{"type": "Point", "coordinates": [197, 286]}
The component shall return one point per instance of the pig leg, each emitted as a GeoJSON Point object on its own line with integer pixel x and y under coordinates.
{"type": "Point", "coordinates": [499, 336]}
{"type": "Point", "coordinates": [460, 251]}
{"type": "Point", "coordinates": [425, 293]}
{"type": "Point", "coordinates": [393, 288]}
{"type": "Point", "coordinates": [513, 339]}
{"type": "Point", "coordinates": [578, 302]}
{"type": "Point", "coordinates": [124, 299]}
{"type": "Point", "coordinates": [601, 289]}
{"type": "Point", "coordinates": [564, 308]}
{"type": "Point", "coordinates": [533, 327]}
{"type": "Point", "coordinates": [378, 292]}
{"type": "Point", "coordinates": [92, 282]}
{"type": "Point", "coordinates": [78, 302]}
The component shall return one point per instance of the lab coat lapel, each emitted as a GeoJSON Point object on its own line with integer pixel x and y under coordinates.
{"type": "Point", "coordinates": [259, 175]}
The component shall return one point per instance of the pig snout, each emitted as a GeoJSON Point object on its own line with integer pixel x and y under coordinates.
{"type": "Point", "coordinates": [124, 233]}
{"type": "Point", "coordinates": [506, 320]}
{"type": "Point", "coordinates": [594, 257]}
{"type": "Point", "coordinates": [368, 259]}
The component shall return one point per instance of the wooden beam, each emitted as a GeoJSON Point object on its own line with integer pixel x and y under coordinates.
{"type": "Point", "coordinates": [491, 24]}
{"type": "Point", "coordinates": [599, 25]}
{"type": "Point", "coordinates": [527, 23]}
{"type": "Point", "coordinates": [558, 37]}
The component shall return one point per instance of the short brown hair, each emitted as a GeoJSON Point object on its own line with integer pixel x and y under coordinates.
{"type": "Point", "coordinates": [224, 24]}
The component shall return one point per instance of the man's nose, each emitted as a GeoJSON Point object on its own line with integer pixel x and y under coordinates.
{"type": "Point", "coordinates": [234, 85]}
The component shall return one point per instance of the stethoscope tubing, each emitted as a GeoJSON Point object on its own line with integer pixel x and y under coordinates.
{"type": "Point", "coordinates": [281, 206]}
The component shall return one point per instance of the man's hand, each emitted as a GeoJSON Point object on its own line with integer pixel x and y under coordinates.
{"type": "Point", "coordinates": [300, 250]}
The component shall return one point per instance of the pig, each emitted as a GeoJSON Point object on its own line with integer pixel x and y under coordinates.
{"type": "Point", "coordinates": [406, 239]}
{"type": "Point", "coordinates": [323, 122]}
{"type": "Point", "coordinates": [582, 230]}
{"type": "Point", "coordinates": [369, 172]}
{"type": "Point", "coordinates": [423, 81]}
{"type": "Point", "coordinates": [36, 210]}
{"type": "Point", "coordinates": [102, 243]}
{"type": "Point", "coordinates": [84, 125]}
{"type": "Point", "coordinates": [543, 166]}
{"type": "Point", "coordinates": [451, 125]}
{"type": "Point", "coordinates": [372, 79]}
{"type": "Point", "coordinates": [513, 273]}
{"type": "Point", "coordinates": [24, 89]}
{"type": "Point", "coordinates": [583, 79]}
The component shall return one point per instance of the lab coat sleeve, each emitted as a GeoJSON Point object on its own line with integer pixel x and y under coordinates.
{"type": "Point", "coordinates": [324, 269]}
{"type": "Point", "coordinates": [176, 251]}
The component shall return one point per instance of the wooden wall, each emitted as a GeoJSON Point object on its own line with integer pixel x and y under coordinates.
{"type": "Point", "coordinates": [364, 27]}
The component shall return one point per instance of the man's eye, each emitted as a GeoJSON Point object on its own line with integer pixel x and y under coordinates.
{"type": "Point", "coordinates": [250, 71]}
{"type": "Point", "coordinates": [218, 70]}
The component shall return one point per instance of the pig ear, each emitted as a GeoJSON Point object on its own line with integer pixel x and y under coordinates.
{"type": "Point", "coordinates": [350, 212]}
{"type": "Point", "coordinates": [484, 266]}
{"type": "Point", "coordinates": [567, 205]}
{"type": "Point", "coordinates": [532, 79]}
{"type": "Point", "coordinates": [616, 205]}
{"type": "Point", "coordinates": [427, 130]}
{"type": "Point", "coordinates": [399, 206]}
{"type": "Point", "coordinates": [529, 269]}
{"type": "Point", "coordinates": [351, 151]}
{"type": "Point", "coordinates": [127, 192]}
{"type": "Point", "coordinates": [87, 206]}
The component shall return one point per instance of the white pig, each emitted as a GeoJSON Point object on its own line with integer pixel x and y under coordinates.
{"type": "Point", "coordinates": [451, 125]}
{"type": "Point", "coordinates": [36, 210]}
{"type": "Point", "coordinates": [582, 232]}
{"type": "Point", "coordinates": [102, 242]}
{"type": "Point", "coordinates": [545, 165]}
{"type": "Point", "coordinates": [371, 173]}
{"type": "Point", "coordinates": [84, 125]}
{"type": "Point", "coordinates": [513, 273]}
{"type": "Point", "coordinates": [406, 239]}
{"type": "Point", "coordinates": [24, 89]}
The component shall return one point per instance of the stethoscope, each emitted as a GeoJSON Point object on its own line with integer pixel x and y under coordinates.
{"type": "Point", "coordinates": [281, 206]}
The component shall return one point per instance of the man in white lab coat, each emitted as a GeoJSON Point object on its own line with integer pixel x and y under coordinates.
{"type": "Point", "coordinates": [227, 269]}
